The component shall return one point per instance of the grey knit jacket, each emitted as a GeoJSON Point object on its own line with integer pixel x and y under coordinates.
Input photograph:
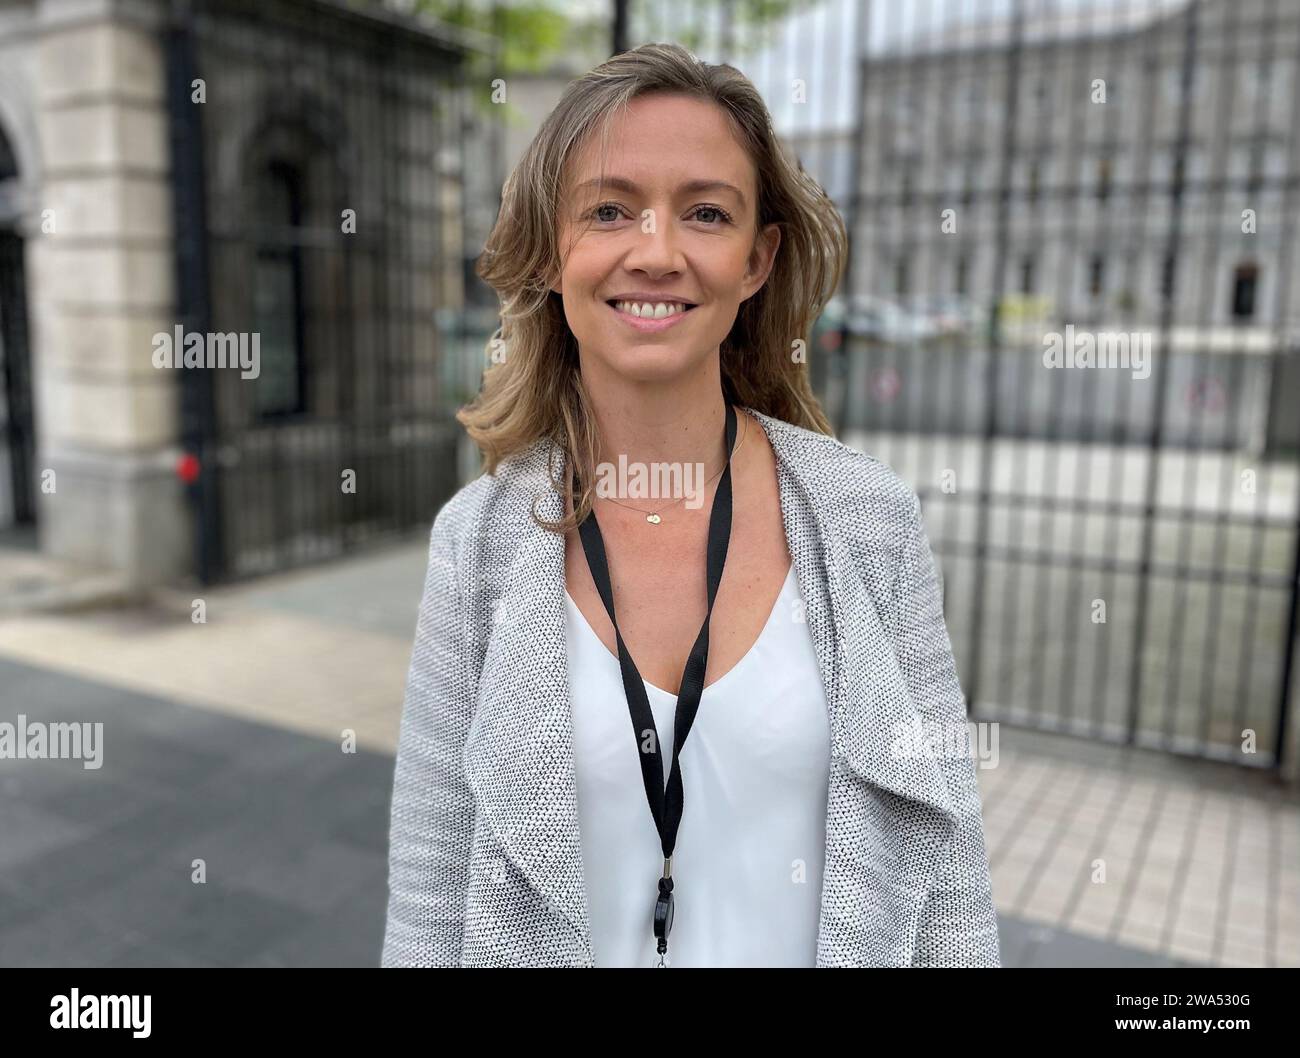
{"type": "Point", "coordinates": [485, 859]}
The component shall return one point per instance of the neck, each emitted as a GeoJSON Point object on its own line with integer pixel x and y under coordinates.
{"type": "Point", "coordinates": [679, 421]}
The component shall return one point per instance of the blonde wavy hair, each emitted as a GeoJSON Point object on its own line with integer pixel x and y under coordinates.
{"type": "Point", "coordinates": [534, 391]}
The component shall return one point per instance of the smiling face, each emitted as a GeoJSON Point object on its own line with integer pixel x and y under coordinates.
{"type": "Point", "coordinates": [674, 224]}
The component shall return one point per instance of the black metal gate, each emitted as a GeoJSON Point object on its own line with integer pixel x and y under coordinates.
{"type": "Point", "coordinates": [316, 195]}
{"type": "Point", "coordinates": [1120, 550]}
{"type": "Point", "coordinates": [1120, 539]}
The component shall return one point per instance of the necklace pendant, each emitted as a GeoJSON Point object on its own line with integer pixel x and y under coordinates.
{"type": "Point", "coordinates": [653, 519]}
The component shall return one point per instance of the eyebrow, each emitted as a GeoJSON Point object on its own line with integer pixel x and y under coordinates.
{"type": "Point", "coordinates": [622, 183]}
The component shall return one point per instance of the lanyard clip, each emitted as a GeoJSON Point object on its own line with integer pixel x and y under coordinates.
{"type": "Point", "coordinates": [663, 919]}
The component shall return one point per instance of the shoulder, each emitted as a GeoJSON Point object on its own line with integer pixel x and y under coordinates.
{"type": "Point", "coordinates": [518, 481]}
{"type": "Point", "coordinates": [850, 495]}
{"type": "Point", "coordinates": [854, 492]}
{"type": "Point", "coordinates": [462, 509]}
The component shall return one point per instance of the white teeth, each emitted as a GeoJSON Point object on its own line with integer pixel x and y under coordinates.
{"type": "Point", "coordinates": [646, 310]}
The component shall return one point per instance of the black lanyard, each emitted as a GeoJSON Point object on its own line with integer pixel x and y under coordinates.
{"type": "Point", "coordinates": [666, 805]}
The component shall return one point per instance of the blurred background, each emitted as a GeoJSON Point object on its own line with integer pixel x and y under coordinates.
{"type": "Point", "coordinates": [179, 560]}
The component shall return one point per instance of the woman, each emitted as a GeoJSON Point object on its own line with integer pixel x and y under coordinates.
{"type": "Point", "coordinates": [671, 729]}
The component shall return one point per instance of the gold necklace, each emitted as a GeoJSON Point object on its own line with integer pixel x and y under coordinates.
{"type": "Point", "coordinates": [653, 516]}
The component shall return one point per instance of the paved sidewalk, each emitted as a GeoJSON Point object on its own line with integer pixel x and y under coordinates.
{"type": "Point", "coordinates": [1187, 860]}
{"type": "Point", "coordinates": [31, 581]}
{"type": "Point", "coordinates": [96, 866]}
{"type": "Point", "coordinates": [315, 651]}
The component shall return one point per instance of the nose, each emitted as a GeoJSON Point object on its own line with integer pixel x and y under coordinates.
{"type": "Point", "coordinates": [654, 251]}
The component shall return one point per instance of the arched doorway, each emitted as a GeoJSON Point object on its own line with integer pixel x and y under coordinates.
{"type": "Point", "coordinates": [17, 434]}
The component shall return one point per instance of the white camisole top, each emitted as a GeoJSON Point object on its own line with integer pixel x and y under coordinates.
{"type": "Point", "coordinates": [747, 866]}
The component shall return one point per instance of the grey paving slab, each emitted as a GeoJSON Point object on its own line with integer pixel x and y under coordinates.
{"type": "Point", "coordinates": [16, 909]}
{"type": "Point", "coordinates": [30, 831]}
{"type": "Point", "coordinates": [93, 802]}
{"type": "Point", "coordinates": [213, 921]}
{"type": "Point", "coordinates": [1030, 945]}
{"type": "Point", "coordinates": [317, 947]}
{"type": "Point", "coordinates": [96, 866]}
{"type": "Point", "coordinates": [379, 591]}
{"type": "Point", "coordinates": [55, 938]}
{"type": "Point", "coordinates": [269, 860]}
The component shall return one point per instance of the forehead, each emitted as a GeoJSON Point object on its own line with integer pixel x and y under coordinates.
{"type": "Point", "coordinates": [663, 142]}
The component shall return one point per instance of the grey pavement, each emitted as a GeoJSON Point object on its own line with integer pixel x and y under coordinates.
{"type": "Point", "coordinates": [31, 581]}
{"type": "Point", "coordinates": [96, 864]}
{"type": "Point", "coordinates": [378, 591]}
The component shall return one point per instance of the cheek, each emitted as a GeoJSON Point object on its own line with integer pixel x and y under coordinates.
{"type": "Point", "coordinates": [575, 252]}
{"type": "Point", "coordinates": [584, 272]}
{"type": "Point", "coordinates": [725, 271]}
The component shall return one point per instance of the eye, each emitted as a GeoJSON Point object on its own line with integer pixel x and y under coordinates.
{"type": "Point", "coordinates": [594, 214]}
{"type": "Point", "coordinates": [725, 217]}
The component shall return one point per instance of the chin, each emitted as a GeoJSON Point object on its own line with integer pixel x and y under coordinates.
{"type": "Point", "coordinates": [652, 363]}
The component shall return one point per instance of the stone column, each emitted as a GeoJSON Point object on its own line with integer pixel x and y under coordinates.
{"type": "Point", "coordinates": [101, 287]}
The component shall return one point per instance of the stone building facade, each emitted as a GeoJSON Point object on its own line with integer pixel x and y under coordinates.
{"type": "Point", "coordinates": [196, 166]}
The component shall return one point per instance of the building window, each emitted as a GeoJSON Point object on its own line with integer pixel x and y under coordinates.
{"type": "Point", "coordinates": [1103, 179]}
{"type": "Point", "coordinates": [9, 209]}
{"type": "Point", "coordinates": [900, 277]}
{"type": "Point", "coordinates": [278, 297]}
{"type": "Point", "coordinates": [962, 275]}
{"type": "Point", "coordinates": [1173, 83]}
{"type": "Point", "coordinates": [1027, 274]}
{"type": "Point", "coordinates": [1168, 271]}
{"type": "Point", "coordinates": [1255, 78]}
{"type": "Point", "coordinates": [907, 103]}
{"type": "Point", "coordinates": [1097, 275]}
{"type": "Point", "coordinates": [1245, 287]}
{"type": "Point", "coordinates": [1257, 163]}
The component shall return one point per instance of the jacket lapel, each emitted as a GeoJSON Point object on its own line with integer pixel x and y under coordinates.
{"type": "Point", "coordinates": [519, 751]}
{"type": "Point", "coordinates": [519, 754]}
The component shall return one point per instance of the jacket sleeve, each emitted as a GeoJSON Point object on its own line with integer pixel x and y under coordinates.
{"type": "Point", "coordinates": [958, 925]}
{"type": "Point", "coordinates": [433, 806]}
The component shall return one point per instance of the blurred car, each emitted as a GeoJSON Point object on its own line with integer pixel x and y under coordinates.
{"type": "Point", "coordinates": [889, 323]}
{"type": "Point", "coordinates": [873, 319]}
{"type": "Point", "coordinates": [951, 315]}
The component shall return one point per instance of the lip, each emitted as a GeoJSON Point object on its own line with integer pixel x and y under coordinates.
{"type": "Point", "coordinates": [650, 296]}
{"type": "Point", "coordinates": [648, 326]}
